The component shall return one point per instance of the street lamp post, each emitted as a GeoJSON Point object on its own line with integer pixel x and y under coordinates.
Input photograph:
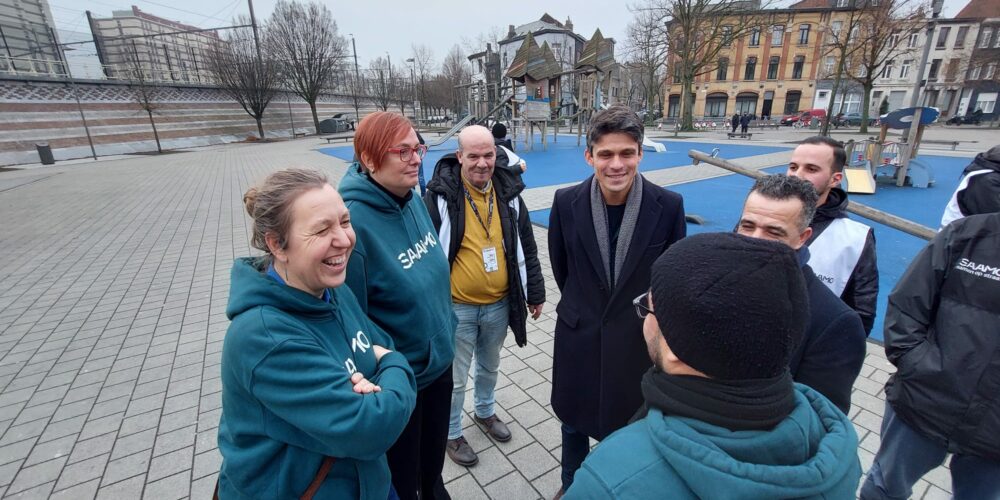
{"type": "Point", "coordinates": [413, 85]}
{"type": "Point", "coordinates": [357, 79]}
{"type": "Point", "coordinates": [911, 139]}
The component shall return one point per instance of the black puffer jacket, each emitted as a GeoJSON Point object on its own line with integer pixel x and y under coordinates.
{"type": "Point", "coordinates": [861, 293]}
{"type": "Point", "coordinates": [444, 197]}
{"type": "Point", "coordinates": [942, 331]}
{"type": "Point", "coordinates": [982, 195]}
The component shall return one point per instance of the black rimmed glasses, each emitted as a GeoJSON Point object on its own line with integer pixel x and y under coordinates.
{"type": "Point", "coordinates": [406, 152]}
{"type": "Point", "coordinates": [641, 304]}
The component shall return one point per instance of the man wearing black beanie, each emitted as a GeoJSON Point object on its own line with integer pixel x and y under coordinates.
{"type": "Point", "coordinates": [722, 416]}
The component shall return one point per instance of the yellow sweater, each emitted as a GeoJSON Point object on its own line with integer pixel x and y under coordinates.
{"type": "Point", "coordinates": [470, 283]}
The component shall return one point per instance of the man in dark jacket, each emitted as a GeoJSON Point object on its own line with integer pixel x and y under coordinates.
{"type": "Point", "coordinates": [832, 351]}
{"type": "Point", "coordinates": [941, 332]}
{"type": "Point", "coordinates": [744, 123]}
{"type": "Point", "coordinates": [842, 251]}
{"type": "Point", "coordinates": [979, 191]}
{"type": "Point", "coordinates": [722, 417]}
{"type": "Point", "coordinates": [475, 204]}
{"type": "Point", "coordinates": [735, 122]}
{"type": "Point", "coordinates": [604, 233]}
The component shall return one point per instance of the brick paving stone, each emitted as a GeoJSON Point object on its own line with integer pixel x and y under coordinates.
{"type": "Point", "coordinates": [533, 460]}
{"type": "Point", "coordinates": [131, 488]}
{"type": "Point", "coordinates": [126, 467]}
{"type": "Point", "coordinates": [169, 488]}
{"type": "Point", "coordinates": [466, 487]}
{"type": "Point", "coordinates": [93, 447]}
{"type": "Point", "coordinates": [36, 475]}
{"type": "Point", "coordinates": [81, 472]}
{"type": "Point", "coordinates": [492, 465]}
{"type": "Point", "coordinates": [78, 492]}
{"type": "Point", "coordinates": [513, 486]}
{"type": "Point", "coordinates": [549, 483]}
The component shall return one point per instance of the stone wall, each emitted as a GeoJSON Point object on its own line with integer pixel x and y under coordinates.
{"type": "Point", "coordinates": [33, 111]}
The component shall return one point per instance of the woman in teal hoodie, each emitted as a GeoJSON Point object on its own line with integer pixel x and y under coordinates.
{"type": "Point", "coordinates": [311, 396]}
{"type": "Point", "coordinates": [400, 275]}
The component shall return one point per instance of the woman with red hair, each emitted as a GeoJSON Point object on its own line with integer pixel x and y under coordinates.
{"type": "Point", "coordinates": [400, 275]}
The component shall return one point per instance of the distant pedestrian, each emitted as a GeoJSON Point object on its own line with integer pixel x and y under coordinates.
{"type": "Point", "coordinates": [744, 123]}
{"type": "Point", "coordinates": [735, 121]}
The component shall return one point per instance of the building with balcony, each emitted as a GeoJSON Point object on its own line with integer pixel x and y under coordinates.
{"type": "Point", "coordinates": [132, 39]}
{"type": "Point", "coordinates": [982, 79]}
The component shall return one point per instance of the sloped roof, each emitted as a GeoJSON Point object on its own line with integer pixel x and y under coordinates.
{"type": "Point", "coordinates": [980, 9]}
{"type": "Point", "coordinates": [537, 62]}
{"type": "Point", "coordinates": [546, 18]}
{"type": "Point", "coordinates": [598, 53]}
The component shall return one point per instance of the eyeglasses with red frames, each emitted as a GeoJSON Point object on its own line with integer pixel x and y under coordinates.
{"type": "Point", "coordinates": [406, 152]}
{"type": "Point", "coordinates": [641, 304]}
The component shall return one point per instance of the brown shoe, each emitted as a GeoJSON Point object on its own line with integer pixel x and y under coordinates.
{"type": "Point", "coordinates": [461, 453]}
{"type": "Point", "coordinates": [559, 494]}
{"type": "Point", "coordinates": [494, 427]}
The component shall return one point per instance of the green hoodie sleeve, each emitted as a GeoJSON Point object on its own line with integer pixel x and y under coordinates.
{"type": "Point", "coordinates": [357, 275]}
{"type": "Point", "coordinates": [312, 395]}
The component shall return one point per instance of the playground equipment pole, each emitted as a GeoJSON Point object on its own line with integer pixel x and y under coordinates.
{"type": "Point", "coordinates": [893, 221]}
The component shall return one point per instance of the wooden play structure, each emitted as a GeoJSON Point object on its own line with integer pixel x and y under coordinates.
{"type": "Point", "coordinates": [873, 160]}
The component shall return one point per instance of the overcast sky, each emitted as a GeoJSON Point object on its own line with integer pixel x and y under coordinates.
{"type": "Point", "coordinates": [390, 26]}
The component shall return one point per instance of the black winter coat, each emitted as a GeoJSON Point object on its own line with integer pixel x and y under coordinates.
{"type": "Point", "coordinates": [445, 188]}
{"type": "Point", "coordinates": [982, 195]}
{"type": "Point", "coordinates": [861, 293]}
{"type": "Point", "coordinates": [599, 353]}
{"type": "Point", "coordinates": [942, 331]}
{"type": "Point", "coordinates": [832, 351]}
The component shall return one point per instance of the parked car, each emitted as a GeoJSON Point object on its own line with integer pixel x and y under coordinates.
{"type": "Point", "coordinates": [854, 120]}
{"type": "Point", "coordinates": [974, 118]}
{"type": "Point", "coordinates": [804, 118]}
{"type": "Point", "coordinates": [334, 126]}
{"type": "Point", "coordinates": [350, 118]}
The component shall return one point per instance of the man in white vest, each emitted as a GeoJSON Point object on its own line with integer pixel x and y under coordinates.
{"type": "Point", "coordinates": [979, 191]}
{"type": "Point", "coordinates": [842, 251]}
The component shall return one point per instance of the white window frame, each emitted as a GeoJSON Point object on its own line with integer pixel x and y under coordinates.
{"type": "Point", "coordinates": [975, 72]}
{"type": "Point", "coordinates": [904, 70]}
{"type": "Point", "coordinates": [887, 70]}
{"type": "Point", "coordinates": [988, 104]}
{"type": "Point", "coordinates": [984, 38]}
{"type": "Point", "coordinates": [914, 39]}
{"type": "Point", "coordinates": [991, 71]}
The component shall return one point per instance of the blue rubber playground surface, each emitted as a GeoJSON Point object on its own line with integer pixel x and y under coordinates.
{"type": "Point", "coordinates": [720, 200]}
{"type": "Point", "coordinates": [563, 162]}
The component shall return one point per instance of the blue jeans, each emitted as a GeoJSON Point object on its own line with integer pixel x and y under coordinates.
{"type": "Point", "coordinates": [906, 455]}
{"type": "Point", "coordinates": [480, 332]}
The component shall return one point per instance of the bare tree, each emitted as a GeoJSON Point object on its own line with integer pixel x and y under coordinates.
{"type": "Point", "coordinates": [143, 93]}
{"type": "Point", "coordinates": [456, 70]}
{"type": "Point", "coordinates": [380, 86]}
{"type": "Point", "coordinates": [304, 40]}
{"type": "Point", "coordinates": [697, 31]}
{"type": "Point", "coordinates": [843, 41]}
{"type": "Point", "coordinates": [423, 66]}
{"type": "Point", "coordinates": [884, 25]}
{"type": "Point", "coordinates": [250, 80]}
{"type": "Point", "coordinates": [646, 49]}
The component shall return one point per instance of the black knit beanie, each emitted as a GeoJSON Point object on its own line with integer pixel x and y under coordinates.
{"type": "Point", "coordinates": [729, 306]}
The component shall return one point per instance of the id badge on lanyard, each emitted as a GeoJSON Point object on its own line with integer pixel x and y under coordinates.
{"type": "Point", "coordinates": [490, 259]}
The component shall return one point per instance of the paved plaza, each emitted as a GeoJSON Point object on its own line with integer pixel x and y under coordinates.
{"type": "Point", "coordinates": [112, 315]}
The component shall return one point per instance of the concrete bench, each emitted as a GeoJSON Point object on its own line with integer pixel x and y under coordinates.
{"type": "Point", "coordinates": [337, 137]}
{"type": "Point", "coordinates": [748, 135]}
{"type": "Point", "coordinates": [953, 144]}
{"type": "Point", "coordinates": [299, 134]}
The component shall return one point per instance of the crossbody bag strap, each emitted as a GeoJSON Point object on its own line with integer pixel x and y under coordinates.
{"type": "Point", "coordinates": [324, 469]}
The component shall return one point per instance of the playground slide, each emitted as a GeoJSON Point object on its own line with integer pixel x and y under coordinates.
{"type": "Point", "coordinates": [452, 131]}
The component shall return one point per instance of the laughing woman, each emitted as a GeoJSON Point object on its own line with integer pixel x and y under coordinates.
{"type": "Point", "coordinates": [311, 400]}
{"type": "Point", "coordinates": [401, 277]}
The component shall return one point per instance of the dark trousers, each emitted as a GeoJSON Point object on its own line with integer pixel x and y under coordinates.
{"type": "Point", "coordinates": [743, 128]}
{"type": "Point", "coordinates": [905, 455]}
{"type": "Point", "coordinates": [575, 447]}
{"type": "Point", "coordinates": [417, 457]}
{"type": "Point", "coordinates": [734, 127]}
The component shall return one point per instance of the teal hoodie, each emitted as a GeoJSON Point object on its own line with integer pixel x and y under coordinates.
{"type": "Point", "coordinates": [400, 275]}
{"type": "Point", "coordinates": [287, 398]}
{"type": "Point", "coordinates": [813, 453]}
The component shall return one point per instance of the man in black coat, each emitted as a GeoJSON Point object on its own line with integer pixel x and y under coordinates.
{"type": "Point", "coordinates": [832, 351]}
{"type": "Point", "coordinates": [941, 333]}
{"type": "Point", "coordinates": [842, 250]}
{"type": "Point", "coordinates": [604, 235]}
{"type": "Point", "coordinates": [744, 123]}
{"type": "Point", "coordinates": [735, 122]}
{"type": "Point", "coordinates": [475, 203]}
{"type": "Point", "coordinates": [979, 191]}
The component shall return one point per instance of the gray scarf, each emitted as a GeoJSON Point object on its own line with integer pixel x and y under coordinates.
{"type": "Point", "coordinates": [599, 212]}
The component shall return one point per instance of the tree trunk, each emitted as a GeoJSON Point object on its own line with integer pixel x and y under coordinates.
{"type": "Point", "coordinates": [156, 135]}
{"type": "Point", "coordinates": [687, 105]}
{"type": "Point", "coordinates": [260, 127]}
{"type": "Point", "coordinates": [312, 107]}
{"type": "Point", "coordinates": [866, 104]}
{"type": "Point", "coordinates": [833, 96]}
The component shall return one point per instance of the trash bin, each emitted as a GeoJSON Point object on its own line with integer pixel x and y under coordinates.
{"type": "Point", "coordinates": [813, 124]}
{"type": "Point", "coordinates": [45, 153]}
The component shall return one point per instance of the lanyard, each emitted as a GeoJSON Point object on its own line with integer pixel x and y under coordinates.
{"type": "Point", "coordinates": [489, 205]}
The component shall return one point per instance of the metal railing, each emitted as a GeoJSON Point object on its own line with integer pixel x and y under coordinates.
{"type": "Point", "coordinates": [31, 67]}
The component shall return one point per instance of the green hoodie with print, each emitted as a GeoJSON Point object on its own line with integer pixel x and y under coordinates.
{"type": "Point", "coordinates": [287, 397]}
{"type": "Point", "coordinates": [400, 275]}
